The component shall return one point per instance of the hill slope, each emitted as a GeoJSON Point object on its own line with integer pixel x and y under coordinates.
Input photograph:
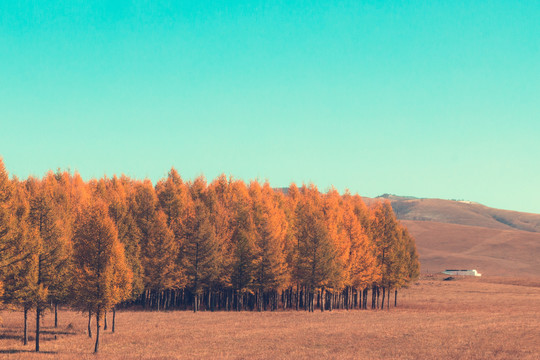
{"type": "Point", "coordinates": [462, 213]}
{"type": "Point", "coordinates": [455, 234]}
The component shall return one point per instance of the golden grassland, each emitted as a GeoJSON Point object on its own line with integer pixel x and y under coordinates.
{"type": "Point", "coordinates": [486, 318]}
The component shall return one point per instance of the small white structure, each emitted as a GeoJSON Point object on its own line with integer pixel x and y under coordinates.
{"type": "Point", "coordinates": [462, 272]}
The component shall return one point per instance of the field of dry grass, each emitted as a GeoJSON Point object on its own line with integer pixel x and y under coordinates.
{"type": "Point", "coordinates": [463, 319]}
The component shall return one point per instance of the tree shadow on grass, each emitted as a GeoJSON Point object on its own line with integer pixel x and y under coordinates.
{"type": "Point", "coordinates": [10, 336]}
{"type": "Point", "coordinates": [18, 351]}
{"type": "Point", "coordinates": [57, 332]}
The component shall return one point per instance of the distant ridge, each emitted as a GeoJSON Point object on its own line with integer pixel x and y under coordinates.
{"type": "Point", "coordinates": [460, 212]}
{"type": "Point", "coordinates": [396, 197]}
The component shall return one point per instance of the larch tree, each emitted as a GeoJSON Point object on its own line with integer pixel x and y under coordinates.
{"type": "Point", "coordinates": [292, 244]}
{"type": "Point", "coordinates": [129, 233]}
{"type": "Point", "coordinates": [159, 255]}
{"type": "Point", "coordinates": [363, 270]}
{"type": "Point", "coordinates": [173, 195]}
{"type": "Point", "coordinates": [102, 277]}
{"type": "Point", "coordinates": [218, 199]}
{"type": "Point", "coordinates": [270, 265]}
{"type": "Point", "coordinates": [59, 189]}
{"type": "Point", "coordinates": [143, 204]}
{"type": "Point", "coordinates": [52, 248]}
{"type": "Point", "coordinates": [333, 216]}
{"type": "Point", "coordinates": [243, 265]}
{"type": "Point", "coordinates": [200, 253]}
{"type": "Point", "coordinates": [8, 226]}
{"type": "Point", "coordinates": [20, 278]}
{"type": "Point", "coordinates": [386, 236]}
{"type": "Point", "coordinates": [409, 270]}
{"type": "Point", "coordinates": [243, 244]}
{"type": "Point", "coordinates": [175, 201]}
{"type": "Point", "coordinates": [317, 253]}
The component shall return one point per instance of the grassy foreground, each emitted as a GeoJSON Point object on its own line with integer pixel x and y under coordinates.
{"type": "Point", "coordinates": [463, 319]}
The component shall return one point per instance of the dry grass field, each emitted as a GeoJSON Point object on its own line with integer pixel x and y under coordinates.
{"type": "Point", "coordinates": [486, 318]}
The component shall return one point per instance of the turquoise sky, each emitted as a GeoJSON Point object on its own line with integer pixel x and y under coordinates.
{"type": "Point", "coordinates": [424, 98]}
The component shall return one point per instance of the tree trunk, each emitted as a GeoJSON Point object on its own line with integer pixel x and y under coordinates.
{"type": "Point", "coordinates": [388, 302]}
{"type": "Point", "coordinates": [25, 336]}
{"type": "Point", "coordinates": [38, 314]}
{"type": "Point", "coordinates": [56, 315]}
{"type": "Point", "coordinates": [89, 324]}
{"type": "Point", "coordinates": [365, 295]}
{"type": "Point", "coordinates": [98, 325]}
{"type": "Point", "coordinates": [105, 327]}
{"type": "Point", "coordinates": [395, 298]}
{"type": "Point", "coordinates": [113, 317]}
{"type": "Point", "coordinates": [383, 297]}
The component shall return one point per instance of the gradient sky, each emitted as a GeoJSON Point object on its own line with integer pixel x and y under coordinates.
{"type": "Point", "coordinates": [423, 98]}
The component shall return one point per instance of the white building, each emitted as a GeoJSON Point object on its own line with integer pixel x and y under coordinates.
{"type": "Point", "coordinates": [462, 272]}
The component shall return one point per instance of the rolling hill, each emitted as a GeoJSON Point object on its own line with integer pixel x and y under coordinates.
{"type": "Point", "coordinates": [467, 235]}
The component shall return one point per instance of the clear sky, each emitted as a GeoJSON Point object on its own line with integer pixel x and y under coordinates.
{"type": "Point", "coordinates": [423, 98]}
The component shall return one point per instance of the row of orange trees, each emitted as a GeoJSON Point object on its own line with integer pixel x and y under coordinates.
{"type": "Point", "coordinates": [226, 245]}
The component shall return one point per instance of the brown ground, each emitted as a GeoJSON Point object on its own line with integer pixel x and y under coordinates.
{"type": "Point", "coordinates": [461, 319]}
{"type": "Point", "coordinates": [496, 252]}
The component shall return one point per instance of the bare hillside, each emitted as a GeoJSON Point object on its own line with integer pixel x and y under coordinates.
{"type": "Point", "coordinates": [458, 234]}
{"type": "Point", "coordinates": [491, 251]}
{"type": "Point", "coordinates": [462, 213]}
